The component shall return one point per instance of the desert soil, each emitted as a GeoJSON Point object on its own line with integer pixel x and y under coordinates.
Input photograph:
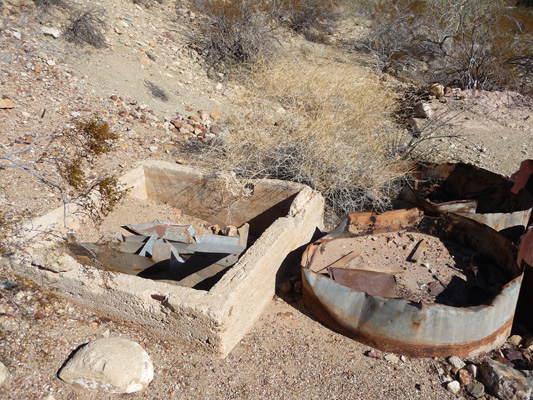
{"type": "Point", "coordinates": [287, 354]}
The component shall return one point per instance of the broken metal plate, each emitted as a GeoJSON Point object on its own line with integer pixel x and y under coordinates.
{"type": "Point", "coordinates": [164, 230]}
{"type": "Point", "coordinates": [218, 244]}
{"type": "Point", "coordinates": [371, 282]}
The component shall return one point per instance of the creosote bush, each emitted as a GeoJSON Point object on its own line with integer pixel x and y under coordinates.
{"type": "Point", "coordinates": [329, 132]}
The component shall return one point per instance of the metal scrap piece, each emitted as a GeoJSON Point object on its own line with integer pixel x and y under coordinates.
{"type": "Point", "coordinates": [371, 282]}
{"type": "Point", "coordinates": [164, 230]}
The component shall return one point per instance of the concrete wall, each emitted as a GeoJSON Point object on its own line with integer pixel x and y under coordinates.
{"type": "Point", "coordinates": [217, 319]}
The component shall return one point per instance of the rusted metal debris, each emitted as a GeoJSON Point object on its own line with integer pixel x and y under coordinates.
{"type": "Point", "coordinates": [525, 259]}
{"type": "Point", "coordinates": [165, 251]}
{"type": "Point", "coordinates": [371, 315]}
{"type": "Point", "coordinates": [503, 204]}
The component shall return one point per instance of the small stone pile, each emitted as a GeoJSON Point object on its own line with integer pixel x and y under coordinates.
{"type": "Point", "coordinates": [506, 374]}
{"type": "Point", "coordinates": [198, 128]}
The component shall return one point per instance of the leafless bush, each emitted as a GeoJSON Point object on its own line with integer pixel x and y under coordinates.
{"type": "Point", "coordinates": [87, 27]}
{"type": "Point", "coordinates": [148, 3]}
{"type": "Point", "coordinates": [468, 43]}
{"type": "Point", "coordinates": [60, 161]}
{"type": "Point", "coordinates": [233, 32]}
{"type": "Point", "coordinates": [312, 18]}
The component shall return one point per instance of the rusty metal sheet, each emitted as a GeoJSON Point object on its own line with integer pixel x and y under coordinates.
{"type": "Point", "coordinates": [500, 203]}
{"type": "Point", "coordinates": [371, 282]}
{"type": "Point", "coordinates": [523, 178]}
{"type": "Point", "coordinates": [419, 329]}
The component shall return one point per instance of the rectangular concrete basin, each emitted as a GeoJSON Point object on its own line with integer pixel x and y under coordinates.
{"type": "Point", "coordinates": [283, 215]}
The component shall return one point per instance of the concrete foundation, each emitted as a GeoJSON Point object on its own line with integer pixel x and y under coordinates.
{"type": "Point", "coordinates": [283, 215]}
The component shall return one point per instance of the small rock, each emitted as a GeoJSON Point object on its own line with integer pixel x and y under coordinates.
{"type": "Point", "coordinates": [215, 114]}
{"type": "Point", "coordinates": [436, 90]}
{"type": "Point", "coordinates": [54, 32]}
{"type": "Point", "coordinates": [374, 354]}
{"type": "Point", "coordinates": [422, 110]}
{"type": "Point", "coordinates": [37, 69]}
{"type": "Point", "coordinates": [114, 365]}
{"type": "Point", "coordinates": [505, 381]}
{"type": "Point", "coordinates": [392, 358]}
{"type": "Point", "coordinates": [475, 389]}
{"type": "Point", "coordinates": [3, 373]}
{"type": "Point", "coordinates": [75, 114]}
{"type": "Point", "coordinates": [464, 377]}
{"type": "Point", "coordinates": [17, 35]}
{"type": "Point", "coordinates": [456, 362]}
{"type": "Point", "coordinates": [515, 340]}
{"type": "Point", "coordinates": [512, 354]}
{"type": "Point", "coordinates": [51, 62]}
{"type": "Point", "coordinates": [153, 149]}
{"type": "Point", "coordinates": [6, 103]}
{"type": "Point", "coordinates": [145, 61]}
{"type": "Point", "coordinates": [453, 386]}
{"type": "Point", "coordinates": [39, 315]}
{"type": "Point", "coordinates": [472, 368]}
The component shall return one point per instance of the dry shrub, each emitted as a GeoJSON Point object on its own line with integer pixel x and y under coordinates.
{"type": "Point", "coordinates": [87, 27]}
{"type": "Point", "coordinates": [331, 133]}
{"type": "Point", "coordinates": [483, 43]}
{"type": "Point", "coordinates": [312, 18]}
{"type": "Point", "coordinates": [232, 31]}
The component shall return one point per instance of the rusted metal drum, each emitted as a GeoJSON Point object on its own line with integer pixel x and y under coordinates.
{"type": "Point", "coordinates": [416, 329]}
{"type": "Point", "coordinates": [502, 203]}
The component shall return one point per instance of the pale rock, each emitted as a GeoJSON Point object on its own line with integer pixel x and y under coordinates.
{"type": "Point", "coordinates": [3, 373]}
{"type": "Point", "coordinates": [51, 62]}
{"type": "Point", "coordinates": [48, 31]}
{"type": "Point", "coordinates": [505, 382]}
{"type": "Point", "coordinates": [422, 110]}
{"type": "Point", "coordinates": [114, 365]}
{"type": "Point", "coordinates": [145, 61]}
{"type": "Point", "coordinates": [453, 386]}
{"type": "Point", "coordinates": [75, 114]}
{"type": "Point", "coordinates": [17, 35]}
{"type": "Point", "coordinates": [392, 358]}
{"type": "Point", "coordinates": [456, 362]}
{"type": "Point", "coordinates": [515, 340]}
{"type": "Point", "coordinates": [6, 103]}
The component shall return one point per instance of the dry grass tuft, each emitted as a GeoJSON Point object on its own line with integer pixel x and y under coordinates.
{"type": "Point", "coordinates": [331, 132]}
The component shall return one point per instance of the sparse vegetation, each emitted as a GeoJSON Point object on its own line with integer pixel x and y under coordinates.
{"type": "Point", "coordinates": [330, 133]}
{"type": "Point", "coordinates": [69, 154]}
{"type": "Point", "coordinates": [233, 32]}
{"type": "Point", "coordinates": [87, 26]}
{"type": "Point", "coordinates": [482, 44]}
{"type": "Point", "coordinates": [237, 32]}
